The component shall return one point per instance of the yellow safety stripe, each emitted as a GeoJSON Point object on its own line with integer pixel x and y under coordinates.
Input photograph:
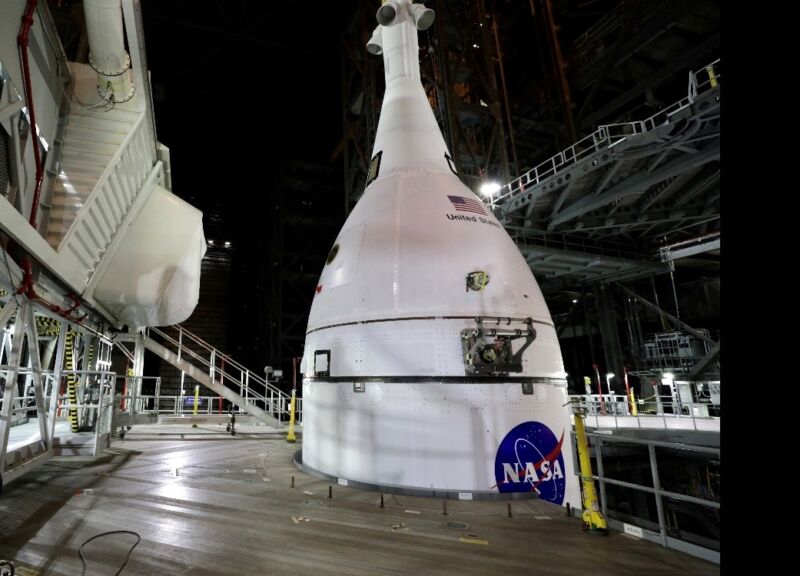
{"type": "Point", "coordinates": [72, 380]}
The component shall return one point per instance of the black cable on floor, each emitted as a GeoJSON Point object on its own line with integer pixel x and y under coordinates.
{"type": "Point", "coordinates": [127, 556]}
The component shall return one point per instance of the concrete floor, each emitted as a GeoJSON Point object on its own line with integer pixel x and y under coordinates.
{"type": "Point", "coordinates": [230, 509]}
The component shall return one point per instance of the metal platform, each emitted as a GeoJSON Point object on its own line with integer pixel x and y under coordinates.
{"type": "Point", "coordinates": [24, 434]}
{"type": "Point", "coordinates": [589, 212]}
{"type": "Point", "coordinates": [653, 422]}
{"type": "Point", "coordinates": [221, 505]}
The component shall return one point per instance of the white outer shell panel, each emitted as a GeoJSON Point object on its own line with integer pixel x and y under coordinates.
{"type": "Point", "coordinates": [432, 435]}
{"type": "Point", "coordinates": [399, 274]}
{"type": "Point", "coordinates": [422, 347]}
{"type": "Point", "coordinates": [405, 251]}
{"type": "Point", "coordinates": [390, 307]}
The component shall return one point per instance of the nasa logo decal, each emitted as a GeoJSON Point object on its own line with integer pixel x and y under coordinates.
{"type": "Point", "coordinates": [529, 459]}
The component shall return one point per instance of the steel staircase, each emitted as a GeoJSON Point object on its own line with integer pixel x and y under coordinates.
{"type": "Point", "coordinates": [219, 372]}
{"type": "Point", "coordinates": [92, 142]}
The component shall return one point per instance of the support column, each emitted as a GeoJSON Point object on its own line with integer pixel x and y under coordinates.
{"type": "Point", "coordinates": [612, 346]}
{"type": "Point", "coordinates": [11, 376]}
{"type": "Point", "coordinates": [495, 108]}
{"type": "Point", "coordinates": [85, 364]}
{"type": "Point", "coordinates": [59, 365]}
{"type": "Point", "coordinates": [138, 361]}
{"type": "Point", "coordinates": [36, 376]}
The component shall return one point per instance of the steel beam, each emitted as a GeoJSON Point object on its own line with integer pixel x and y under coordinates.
{"type": "Point", "coordinates": [666, 315]}
{"type": "Point", "coordinates": [10, 383]}
{"type": "Point", "coordinates": [698, 368]}
{"type": "Point", "coordinates": [637, 184]}
{"type": "Point", "coordinates": [674, 67]}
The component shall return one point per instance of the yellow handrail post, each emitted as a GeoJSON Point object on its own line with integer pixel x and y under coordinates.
{"type": "Point", "coordinates": [290, 437]}
{"type": "Point", "coordinates": [196, 401]}
{"type": "Point", "coordinates": [593, 520]}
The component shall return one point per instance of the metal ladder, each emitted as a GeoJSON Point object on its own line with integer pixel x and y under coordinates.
{"type": "Point", "coordinates": [217, 371]}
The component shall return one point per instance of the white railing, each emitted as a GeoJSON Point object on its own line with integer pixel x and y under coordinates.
{"type": "Point", "coordinates": [220, 367]}
{"type": "Point", "coordinates": [177, 405]}
{"type": "Point", "coordinates": [605, 137]}
{"type": "Point", "coordinates": [109, 202]}
{"type": "Point", "coordinates": [654, 412]}
{"type": "Point", "coordinates": [97, 409]}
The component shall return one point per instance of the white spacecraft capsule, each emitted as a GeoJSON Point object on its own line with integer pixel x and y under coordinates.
{"type": "Point", "coordinates": [431, 362]}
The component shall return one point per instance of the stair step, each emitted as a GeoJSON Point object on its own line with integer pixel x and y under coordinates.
{"type": "Point", "coordinates": [80, 135]}
{"type": "Point", "coordinates": [74, 169]}
{"type": "Point", "coordinates": [76, 175]}
{"type": "Point", "coordinates": [70, 194]}
{"type": "Point", "coordinates": [72, 143]}
{"type": "Point", "coordinates": [101, 123]}
{"type": "Point", "coordinates": [116, 114]}
{"type": "Point", "coordinates": [77, 158]}
{"type": "Point", "coordinates": [67, 200]}
{"type": "Point", "coordinates": [62, 217]}
{"type": "Point", "coordinates": [71, 190]}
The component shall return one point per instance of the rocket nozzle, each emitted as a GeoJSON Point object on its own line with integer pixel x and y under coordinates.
{"type": "Point", "coordinates": [375, 44]}
{"type": "Point", "coordinates": [386, 13]}
{"type": "Point", "coordinates": [423, 17]}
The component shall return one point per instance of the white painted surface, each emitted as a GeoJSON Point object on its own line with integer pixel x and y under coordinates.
{"type": "Point", "coordinates": [632, 530]}
{"type": "Point", "coordinates": [107, 47]}
{"type": "Point", "coordinates": [429, 435]}
{"type": "Point", "coordinates": [154, 277]}
{"type": "Point", "coordinates": [420, 347]}
{"type": "Point", "coordinates": [392, 304]}
{"type": "Point", "coordinates": [654, 422]}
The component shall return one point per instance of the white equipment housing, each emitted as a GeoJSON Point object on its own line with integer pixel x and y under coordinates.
{"type": "Point", "coordinates": [110, 236]}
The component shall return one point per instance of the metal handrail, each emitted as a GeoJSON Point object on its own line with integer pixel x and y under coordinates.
{"type": "Point", "coordinates": [606, 136]}
{"type": "Point", "coordinates": [110, 199]}
{"type": "Point", "coordinates": [180, 406]}
{"type": "Point", "coordinates": [617, 406]}
{"type": "Point", "coordinates": [246, 378]}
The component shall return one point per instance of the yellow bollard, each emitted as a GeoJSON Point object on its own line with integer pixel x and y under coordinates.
{"type": "Point", "coordinates": [290, 437]}
{"type": "Point", "coordinates": [712, 76]}
{"type": "Point", "coordinates": [196, 401]}
{"type": "Point", "coordinates": [634, 408]}
{"type": "Point", "coordinates": [593, 520]}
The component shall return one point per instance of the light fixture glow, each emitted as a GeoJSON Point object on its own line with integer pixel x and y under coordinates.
{"type": "Point", "coordinates": [227, 244]}
{"type": "Point", "coordinates": [574, 300]}
{"type": "Point", "coordinates": [610, 375]}
{"type": "Point", "coordinates": [489, 188]}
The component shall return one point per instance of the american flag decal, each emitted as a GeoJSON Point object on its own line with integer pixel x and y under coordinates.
{"type": "Point", "coordinates": [462, 204]}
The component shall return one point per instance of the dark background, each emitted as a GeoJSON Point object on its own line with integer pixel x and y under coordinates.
{"type": "Point", "coordinates": [266, 106]}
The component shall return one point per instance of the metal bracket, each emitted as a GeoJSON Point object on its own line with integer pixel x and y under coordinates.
{"type": "Point", "coordinates": [326, 354]}
{"type": "Point", "coordinates": [488, 349]}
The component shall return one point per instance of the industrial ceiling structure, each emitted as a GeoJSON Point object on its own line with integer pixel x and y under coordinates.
{"type": "Point", "coordinates": [599, 119]}
{"type": "Point", "coordinates": [595, 124]}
